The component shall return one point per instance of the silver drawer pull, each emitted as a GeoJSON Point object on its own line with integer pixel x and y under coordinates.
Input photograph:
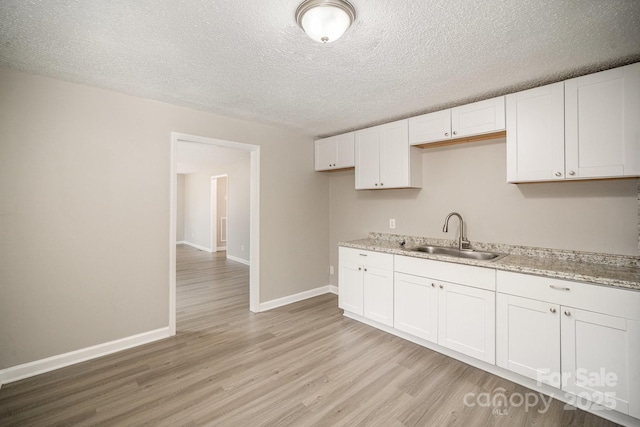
{"type": "Point", "coordinates": [559, 288]}
{"type": "Point", "coordinates": [363, 254]}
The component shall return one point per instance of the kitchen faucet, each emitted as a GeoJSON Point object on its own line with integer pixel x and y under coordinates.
{"type": "Point", "coordinates": [463, 243]}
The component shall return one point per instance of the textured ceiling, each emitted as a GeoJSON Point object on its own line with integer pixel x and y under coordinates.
{"type": "Point", "coordinates": [248, 59]}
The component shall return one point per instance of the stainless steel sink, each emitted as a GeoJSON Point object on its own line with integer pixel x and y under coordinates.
{"type": "Point", "coordinates": [457, 253]}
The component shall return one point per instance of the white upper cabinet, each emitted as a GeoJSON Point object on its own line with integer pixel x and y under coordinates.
{"type": "Point", "coordinates": [335, 152]}
{"type": "Point", "coordinates": [467, 120]}
{"type": "Point", "coordinates": [535, 134]}
{"type": "Point", "coordinates": [430, 127]}
{"type": "Point", "coordinates": [583, 128]}
{"type": "Point", "coordinates": [478, 118]}
{"type": "Point", "coordinates": [384, 158]}
{"type": "Point", "coordinates": [602, 124]}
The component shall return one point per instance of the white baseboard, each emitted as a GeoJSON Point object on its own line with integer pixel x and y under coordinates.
{"type": "Point", "coordinates": [269, 305]}
{"type": "Point", "coordinates": [20, 372]}
{"type": "Point", "coordinates": [333, 289]}
{"type": "Point", "coordinates": [236, 259]}
{"type": "Point", "coordinates": [222, 248]}
{"type": "Point", "coordinates": [197, 246]}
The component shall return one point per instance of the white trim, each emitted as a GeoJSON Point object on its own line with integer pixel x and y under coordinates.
{"type": "Point", "coordinates": [558, 394]}
{"type": "Point", "coordinates": [197, 246]}
{"type": "Point", "coordinates": [269, 305]}
{"type": "Point", "coordinates": [333, 289]}
{"type": "Point", "coordinates": [173, 226]}
{"type": "Point", "coordinates": [240, 260]}
{"type": "Point", "coordinates": [222, 248]}
{"type": "Point", "coordinates": [182, 242]}
{"type": "Point", "coordinates": [213, 213]}
{"type": "Point", "coordinates": [254, 232]}
{"type": "Point", "coordinates": [27, 370]}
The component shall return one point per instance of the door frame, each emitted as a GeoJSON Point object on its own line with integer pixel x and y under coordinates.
{"type": "Point", "coordinates": [214, 213]}
{"type": "Point", "coordinates": [254, 217]}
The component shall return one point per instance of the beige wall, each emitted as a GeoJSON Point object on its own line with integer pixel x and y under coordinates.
{"type": "Point", "coordinates": [599, 216]}
{"type": "Point", "coordinates": [84, 213]}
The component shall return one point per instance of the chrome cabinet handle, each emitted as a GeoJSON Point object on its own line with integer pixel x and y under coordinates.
{"type": "Point", "coordinates": [567, 313]}
{"type": "Point", "coordinates": [363, 254]}
{"type": "Point", "coordinates": [572, 173]}
{"type": "Point", "coordinates": [359, 268]}
{"type": "Point", "coordinates": [433, 285]}
{"type": "Point", "coordinates": [559, 288]}
{"type": "Point", "coordinates": [558, 174]}
{"type": "Point", "coordinates": [381, 184]}
{"type": "Point", "coordinates": [365, 269]}
{"type": "Point", "coordinates": [553, 310]}
{"type": "Point", "coordinates": [441, 287]}
{"type": "Point", "coordinates": [455, 133]}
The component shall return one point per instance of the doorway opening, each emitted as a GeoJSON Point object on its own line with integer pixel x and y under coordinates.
{"type": "Point", "coordinates": [254, 216]}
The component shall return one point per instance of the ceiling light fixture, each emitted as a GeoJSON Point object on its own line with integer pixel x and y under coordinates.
{"type": "Point", "coordinates": [325, 20]}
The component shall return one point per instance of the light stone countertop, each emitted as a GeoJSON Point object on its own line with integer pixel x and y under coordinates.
{"type": "Point", "coordinates": [601, 269]}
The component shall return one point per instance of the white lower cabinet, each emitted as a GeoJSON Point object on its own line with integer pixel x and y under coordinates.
{"type": "Point", "coordinates": [601, 359]}
{"type": "Point", "coordinates": [528, 338]}
{"type": "Point", "coordinates": [466, 320]}
{"type": "Point", "coordinates": [581, 338]}
{"type": "Point", "coordinates": [366, 284]}
{"type": "Point", "coordinates": [416, 306]}
{"type": "Point", "coordinates": [378, 295]}
{"type": "Point", "coordinates": [453, 315]}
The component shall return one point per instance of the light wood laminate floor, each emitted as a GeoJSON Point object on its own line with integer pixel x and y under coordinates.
{"type": "Point", "coordinates": [300, 365]}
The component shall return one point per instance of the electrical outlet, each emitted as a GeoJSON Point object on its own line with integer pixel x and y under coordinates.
{"type": "Point", "coordinates": [242, 248]}
{"type": "Point", "coordinates": [331, 269]}
{"type": "Point", "coordinates": [392, 223]}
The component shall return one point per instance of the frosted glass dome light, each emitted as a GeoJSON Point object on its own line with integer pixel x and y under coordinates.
{"type": "Point", "coordinates": [325, 20]}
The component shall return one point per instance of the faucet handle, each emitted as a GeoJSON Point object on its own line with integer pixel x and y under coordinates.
{"type": "Point", "coordinates": [465, 244]}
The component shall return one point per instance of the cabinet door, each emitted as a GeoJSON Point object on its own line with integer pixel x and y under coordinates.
{"type": "Point", "coordinates": [345, 150]}
{"type": "Point", "coordinates": [378, 295]}
{"type": "Point", "coordinates": [602, 124]}
{"type": "Point", "coordinates": [600, 355]}
{"type": "Point", "coordinates": [528, 338]}
{"type": "Point", "coordinates": [325, 153]}
{"type": "Point", "coordinates": [478, 118]}
{"type": "Point", "coordinates": [535, 134]}
{"type": "Point", "coordinates": [415, 306]}
{"type": "Point", "coordinates": [466, 320]}
{"type": "Point", "coordinates": [367, 153]}
{"type": "Point", "coordinates": [350, 283]}
{"type": "Point", "coordinates": [394, 154]}
{"type": "Point", "coordinates": [430, 127]}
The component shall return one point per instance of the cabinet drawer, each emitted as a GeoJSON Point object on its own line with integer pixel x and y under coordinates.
{"type": "Point", "coordinates": [478, 277]}
{"type": "Point", "coordinates": [368, 258]}
{"type": "Point", "coordinates": [602, 299]}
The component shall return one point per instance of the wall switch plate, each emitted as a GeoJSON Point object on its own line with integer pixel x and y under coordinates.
{"type": "Point", "coordinates": [392, 223]}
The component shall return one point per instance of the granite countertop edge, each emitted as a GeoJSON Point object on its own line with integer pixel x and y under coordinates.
{"type": "Point", "coordinates": [625, 277]}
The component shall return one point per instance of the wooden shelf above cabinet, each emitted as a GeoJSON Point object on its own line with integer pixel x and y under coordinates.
{"type": "Point", "coordinates": [464, 140]}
